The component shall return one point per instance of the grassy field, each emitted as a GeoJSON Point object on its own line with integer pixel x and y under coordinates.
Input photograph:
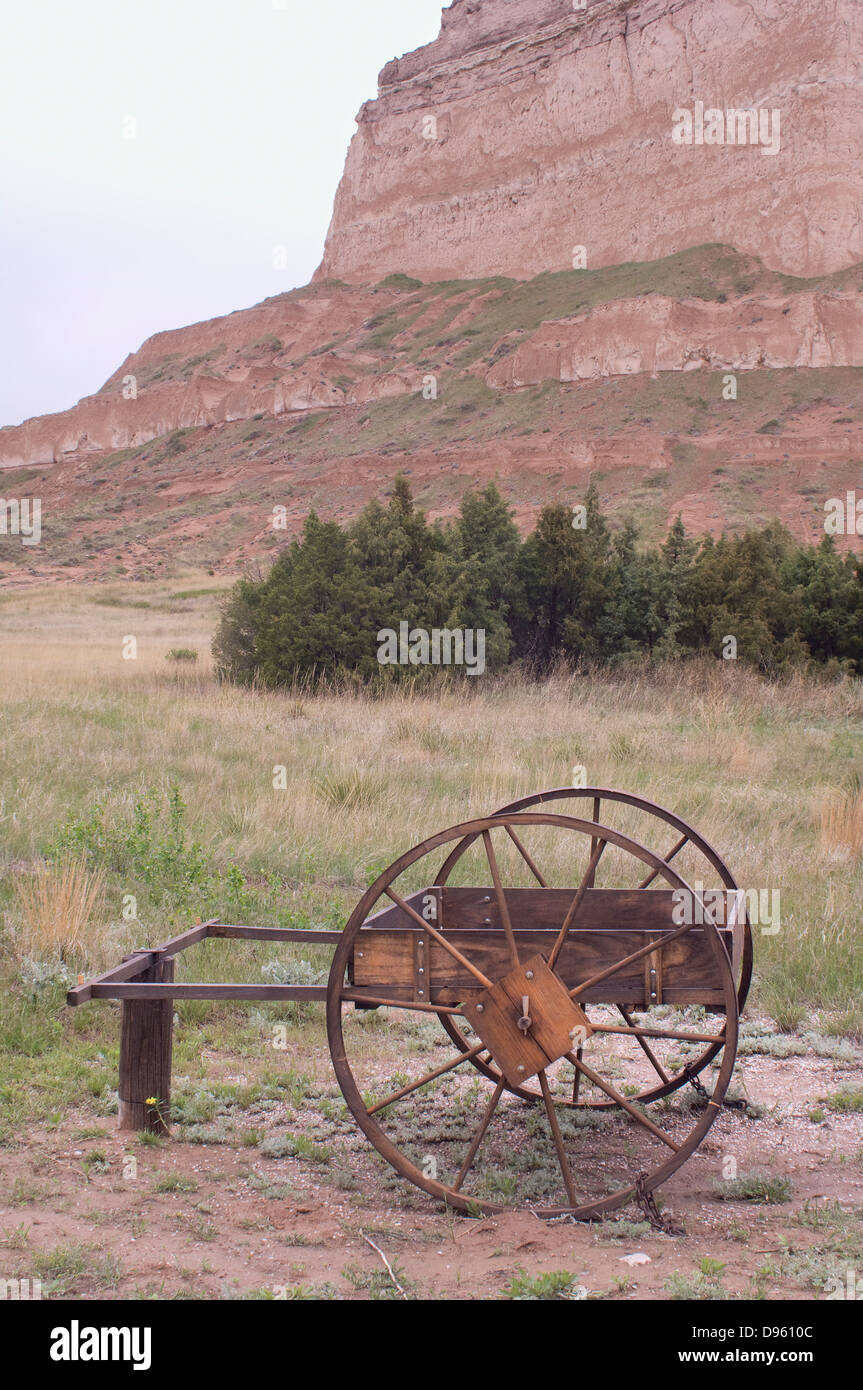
{"type": "Point", "coordinates": [137, 795]}
{"type": "Point", "coordinates": [766, 773]}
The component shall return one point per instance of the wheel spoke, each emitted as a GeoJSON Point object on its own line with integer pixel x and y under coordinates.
{"type": "Point", "coordinates": [357, 996]}
{"type": "Point", "coordinates": [502, 905]}
{"type": "Point", "coordinates": [558, 1140]}
{"type": "Point", "coordinates": [636, 1031]}
{"type": "Point", "coordinates": [479, 1136]}
{"type": "Point", "coordinates": [430, 1076]}
{"type": "Point", "coordinates": [576, 1075]}
{"type": "Point", "coordinates": [629, 960]}
{"type": "Point", "coordinates": [591, 878]}
{"type": "Point", "coordinates": [525, 856]}
{"type": "Point", "coordinates": [672, 854]}
{"type": "Point", "coordinates": [648, 1051]}
{"type": "Point", "coordinates": [621, 1101]}
{"type": "Point", "coordinates": [576, 1079]}
{"type": "Point", "coordinates": [441, 940]}
{"type": "Point", "coordinates": [576, 902]}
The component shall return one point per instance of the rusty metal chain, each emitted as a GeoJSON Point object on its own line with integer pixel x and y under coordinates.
{"type": "Point", "coordinates": [702, 1091]}
{"type": "Point", "coordinates": [647, 1205]}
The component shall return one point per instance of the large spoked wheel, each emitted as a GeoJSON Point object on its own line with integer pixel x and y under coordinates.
{"type": "Point", "coordinates": [701, 856]}
{"type": "Point", "coordinates": [462, 1136]}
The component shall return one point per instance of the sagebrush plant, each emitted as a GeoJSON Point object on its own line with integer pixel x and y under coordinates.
{"type": "Point", "coordinates": [59, 911]}
{"type": "Point", "coordinates": [754, 1187]}
{"type": "Point", "coordinates": [555, 1285]}
{"type": "Point", "coordinates": [704, 1284]}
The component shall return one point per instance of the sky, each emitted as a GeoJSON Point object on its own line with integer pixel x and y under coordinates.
{"type": "Point", "coordinates": [153, 156]}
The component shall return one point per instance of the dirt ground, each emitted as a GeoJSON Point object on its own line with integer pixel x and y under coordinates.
{"type": "Point", "coordinates": [236, 1224]}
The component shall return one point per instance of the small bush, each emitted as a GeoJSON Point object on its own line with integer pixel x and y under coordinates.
{"type": "Point", "coordinates": [624, 1230]}
{"type": "Point", "coordinates": [208, 1134]}
{"type": "Point", "coordinates": [151, 846]}
{"type": "Point", "coordinates": [554, 1285]}
{"type": "Point", "coordinates": [694, 1287]}
{"type": "Point", "coordinates": [175, 1182]}
{"type": "Point", "coordinates": [754, 1187]}
{"type": "Point", "coordinates": [355, 791]}
{"type": "Point", "coordinates": [848, 1101]}
{"type": "Point", "coordinates": [294, 1146]}
{"type": "Point", "coordinates": [67, 1267]}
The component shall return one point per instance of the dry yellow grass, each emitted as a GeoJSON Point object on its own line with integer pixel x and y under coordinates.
{"type": "Point", "coordinates": [60, 907]}
{"type": "Point", "coordinates": [841, 823]}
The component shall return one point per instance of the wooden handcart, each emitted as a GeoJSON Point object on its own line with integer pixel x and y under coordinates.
{"type": "Point", "coordinates": [581, 987]}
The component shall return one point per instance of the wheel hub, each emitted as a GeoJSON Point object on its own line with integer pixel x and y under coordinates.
{"type": "Point", "coordinates": [527, 1020]}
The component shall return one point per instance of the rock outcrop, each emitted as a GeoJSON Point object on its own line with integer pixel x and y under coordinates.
{"type": "Point", "coordinates": [316, 350]}
{"type": "Point", "coordinates": [658, 334]}
{"type": "Point", "coordinates": [271, 359]}
{"type": "Point", "coordinates": [530, 128]}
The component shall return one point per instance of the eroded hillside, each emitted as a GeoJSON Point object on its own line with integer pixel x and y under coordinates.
{"type": "Point", "coordinates": [317, 398]}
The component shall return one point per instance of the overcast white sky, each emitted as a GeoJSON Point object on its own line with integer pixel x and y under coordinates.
{"type": "Point", "coordinates": [244, 111]}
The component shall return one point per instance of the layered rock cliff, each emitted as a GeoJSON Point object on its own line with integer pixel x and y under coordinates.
{"type": "Point", "coordinates": [527, 129]}
{"type": "Point", "coordinates": [530, 128]}
{"type": "Point", "coordinates": [658, 334]}
{"type": "Point", "coordinates": [327, 349]}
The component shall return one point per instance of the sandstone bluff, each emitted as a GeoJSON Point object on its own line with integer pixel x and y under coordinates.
{"type": "Point", "coordinates": [528, 128]}
{"type": "Point", "coordinates": [451, 333]}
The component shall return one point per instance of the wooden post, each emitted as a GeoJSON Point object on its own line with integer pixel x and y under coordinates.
{"type": "Point", "coordinates": [146, 1039]}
